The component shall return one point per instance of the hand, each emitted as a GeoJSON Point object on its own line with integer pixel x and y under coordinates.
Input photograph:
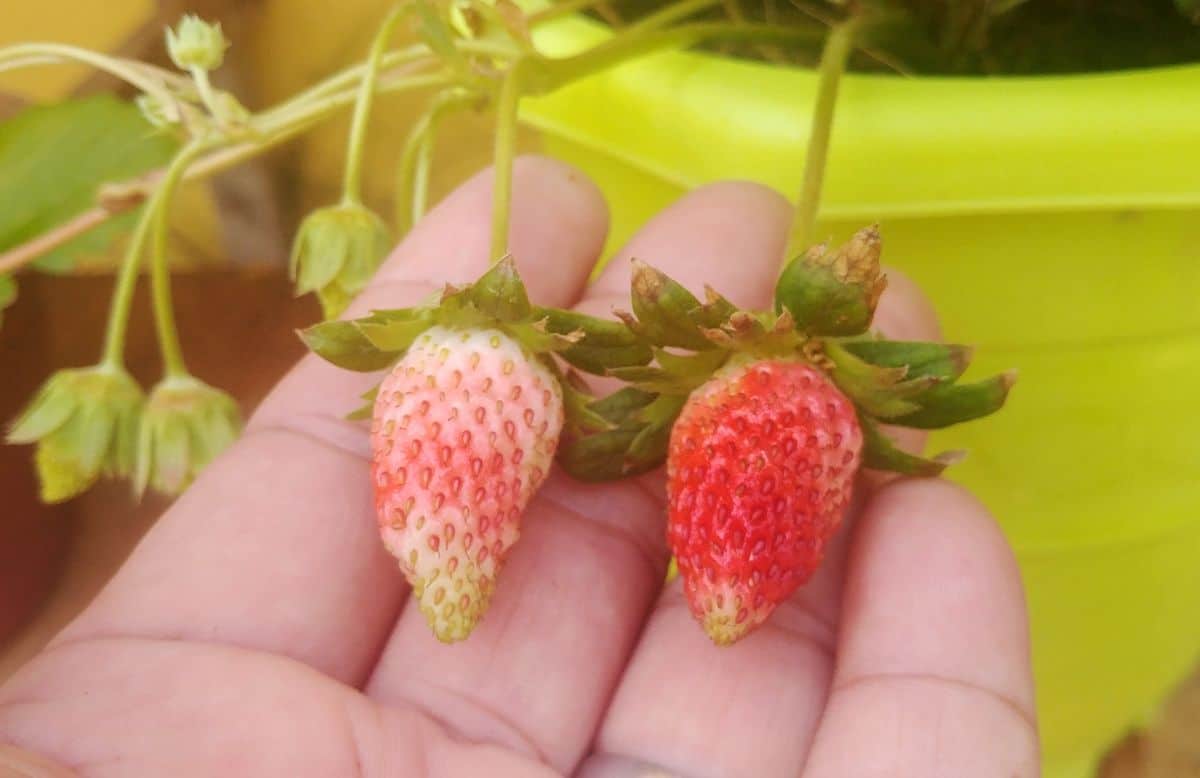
{"type": "Point", "coordinates": [260, 629]}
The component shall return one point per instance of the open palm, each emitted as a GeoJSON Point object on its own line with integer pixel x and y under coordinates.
{"type": "Point", "coordinates": [261, 630]}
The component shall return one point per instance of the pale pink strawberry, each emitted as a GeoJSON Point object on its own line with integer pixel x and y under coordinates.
{"type": "Point", "coordinates": [464, 431]}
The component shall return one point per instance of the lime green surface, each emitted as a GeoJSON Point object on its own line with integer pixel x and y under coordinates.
{"type": "Point", "coordinates": [1053, 221]}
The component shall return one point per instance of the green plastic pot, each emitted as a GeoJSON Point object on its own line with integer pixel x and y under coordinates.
{"type": "Point", "coordinates": [1054, 222]}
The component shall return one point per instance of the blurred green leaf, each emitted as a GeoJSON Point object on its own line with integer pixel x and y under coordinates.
{"type": "Point", "coordinates": [53, 160]}
{"type": "Point", "coordinates": [8, 294]}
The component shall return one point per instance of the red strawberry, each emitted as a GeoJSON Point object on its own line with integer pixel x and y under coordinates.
{"type": "Point", "coordinates": [464, 432]}
{"type": "Point", "coordinates": [765, 417]}
{"type": "Point", "coordinates": [760, 468]}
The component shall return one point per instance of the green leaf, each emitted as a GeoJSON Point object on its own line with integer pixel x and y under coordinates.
{"type": "Point", "coordinates": [8, 294]}
{"type": "Point", "coordinates": [937, 360]}
{"type": "Point", "coordinates": [344, 344]}
{"type": "Point", "coordinates": [53, 160]}
{"type": "Point", "coordinates": [944, 405]}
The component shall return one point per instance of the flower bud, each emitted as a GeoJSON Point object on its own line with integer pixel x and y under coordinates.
{"type": "Point", "coordinates": [185, 425]}
{"type": "Point", "coordinates": [336, 252]}
{"type": "Point", "coordinates": [195, 43]}
{"type": "Point", "coordinates": [84, 422]}
{"type": "Point", "coordinates": [158, 112]}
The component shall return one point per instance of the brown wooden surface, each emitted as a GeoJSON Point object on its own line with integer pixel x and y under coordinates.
{"type": "Point", "coordinates": [238, 331]}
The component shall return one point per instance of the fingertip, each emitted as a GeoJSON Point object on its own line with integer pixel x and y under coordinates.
{"type": "Point", "coordinates": [730, 235]}
{"type": "Point", "coordinates": [905, 312]}
{"type": "Point", "coordinates": [934, 587]}
{"type": "Point", "coordinates": [557, 228]}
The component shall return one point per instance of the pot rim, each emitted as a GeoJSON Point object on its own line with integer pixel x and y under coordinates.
{"type": "Point", "coordinates": [1110, 141]}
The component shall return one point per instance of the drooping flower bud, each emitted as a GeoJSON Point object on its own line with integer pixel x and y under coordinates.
{"type": "Point", "coordinates": [84, 422]}
{"type": "Point", "coordinates": [337, 250]}
{"type": "Point", "coordinates": [195, 43]}
{"type": "Point", "coordinates": [186, 424]}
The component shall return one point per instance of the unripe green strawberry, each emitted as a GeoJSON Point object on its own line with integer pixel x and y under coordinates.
{"type": "Point", "coordinates": [466, 424]}
{"type": "Point", "coordinates": [759, 472]}
{"type": "Point", "coordinates": [464, 431]}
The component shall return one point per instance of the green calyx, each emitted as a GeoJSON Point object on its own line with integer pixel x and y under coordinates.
{"type": "Point", "coordinates": [825, 301]}
{"type": "Point", "coordinates": [336, 251]}
{"type": "Point", "coordinates": [498, 300]}
{"type": "Point", "coordinates": [185, 425]}
{"type": "Point", "coordinates": [85, 424]}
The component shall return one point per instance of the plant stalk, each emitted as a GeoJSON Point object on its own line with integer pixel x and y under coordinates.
{"type": "Point", "coordinates": [122, 299]}
{"type": "Point", "coordinates": [833, 63]}
{"type": "Point", "coordinates": [504, 153]}
{"type": "Point", "coordinates": [412, 175]}
{"type": "Point", "coordinates": [352, 182]}
{"type": "Point", "coordinates": [164, 310]}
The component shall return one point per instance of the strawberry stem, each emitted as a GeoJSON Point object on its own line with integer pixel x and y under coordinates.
{"type": "Point", "coordinates": [164, 312]}
{"type": "Point", "coordinates": [502, 158]}
{"type": "Point", "coordinates": [412, 177]}
{"type": "Point", "coordinates": [205, 90]}
{"type": "Point", "coordinates": [837, 49]}
{"type": "Point", "coordinates": [122, 299]}
{"type": "Point", "coordinates": [352, 181]}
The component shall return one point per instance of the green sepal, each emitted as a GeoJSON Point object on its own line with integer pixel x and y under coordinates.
{"type": "Point", "coordinates": [367, 409]}
{"type": "Point", "coordinates": [942, 406]}
{"type": "Point", "coordinates": [49, 409]}
{"type": "Point", "coordinates": [500, 293]}
{"type": "Point", "coordinates": [880, 453]}
{"type": "Point", "coordinates": [596, 458]}
{"type": "Point", "coordinates": [637, 445]}
{"type": "Point", "coordinates": [394, 331]}
{"type": "Point", "coordinates": [535, 337]}
{"type": "Point", "coordinates": [695, 369]}
{"type": "Point", "coordinates": [652, 379]}
{"type": "Point", "coordinates": [618, 407]}
{"type": "Point", "coordinates": [715, 311]}
{"type": "Point", "coordinates": [664, 309]}
{"type": "Point", "coordinates": [884, 392]}
{"type": "Point", "coordinates": [939, 360]}
{"type": "Point", "coordinates": [345, 345]}
{"type": "Point", "coordinates": [605, 344]}
{"type": "Point", "coordinates": [833, 292]}
{"type": "Point", "coordinates": [581, 417]}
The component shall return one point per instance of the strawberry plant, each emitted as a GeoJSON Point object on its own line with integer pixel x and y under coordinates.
{"type": "Point", "coordinates": [763, 418]}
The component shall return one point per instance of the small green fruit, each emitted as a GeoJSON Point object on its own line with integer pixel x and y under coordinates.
{"type": "Point", "coordinates": [84, 422]}
{"type": "Point", "coordinates": [337, 250]}
{"type": "Point", "coordinates": [195, 43]}
{"type": "Point", "coordinates": [186, 424]}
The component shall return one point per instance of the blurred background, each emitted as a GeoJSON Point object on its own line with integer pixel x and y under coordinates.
{"type": "Point", "coordinates": [231, 236]}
